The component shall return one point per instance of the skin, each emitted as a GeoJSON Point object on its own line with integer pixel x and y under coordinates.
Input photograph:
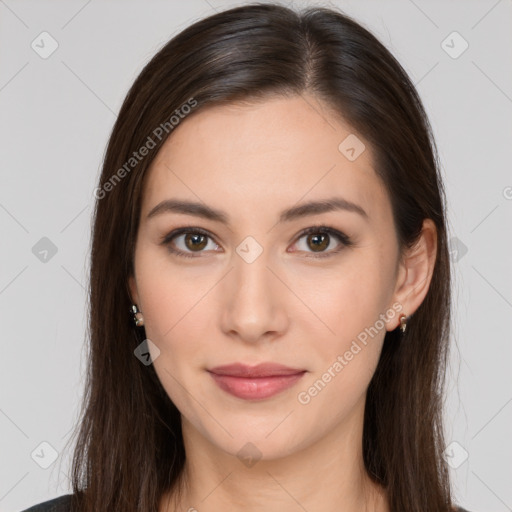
{"type": "Point", "coordinates": [252, 161]}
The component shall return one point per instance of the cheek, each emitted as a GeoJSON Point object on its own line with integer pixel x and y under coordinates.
{"type": "Point", "coordinates": [177, 326]}
{"type": "Point", "coordinates": [174, 317]}
{"type": "Point", "coordinates": [174, 321]}
{"type": "Point", "coordinates": [169, 295]}
{"type": "Point", "coordinates": [351, 303]}
{"type": "Point", "coordinates": [348, 352]}
{"type": "Point", "coordinates": [348, 299]}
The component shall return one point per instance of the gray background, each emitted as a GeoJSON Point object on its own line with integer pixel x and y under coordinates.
{"type": "Point", "coordinates": [56, 116]}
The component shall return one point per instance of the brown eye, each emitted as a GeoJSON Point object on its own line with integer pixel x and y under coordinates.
{"type": "Point", "coordinates": [323, 240]}
{"type": "Point", "coordinates": [195, 242]}
{"type": "Point", "coordinates": [187, 241]}
{"type": "Point", "coordinates": [318, 242]}
{"type": "Point", "coordinates": [191, 242]}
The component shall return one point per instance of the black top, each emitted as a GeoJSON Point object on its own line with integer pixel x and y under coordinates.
{"type": "Point", "coordinates": [62, 504]}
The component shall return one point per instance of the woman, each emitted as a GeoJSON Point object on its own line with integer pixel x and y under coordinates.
{"type": "Point", "coordinates": [272, 215]}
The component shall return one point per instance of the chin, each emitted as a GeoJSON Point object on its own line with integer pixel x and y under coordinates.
{"type": "Point", "coordinates": [265, 438]}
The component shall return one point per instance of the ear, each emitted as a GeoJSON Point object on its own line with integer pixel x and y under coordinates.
{"type": "Point", "coordinates": [132, 285]}
{"type": "Point", "coordinates": [415, 271]}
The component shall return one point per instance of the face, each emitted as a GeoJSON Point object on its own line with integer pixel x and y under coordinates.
{"type": "Point", "coordinates": [248, 286]}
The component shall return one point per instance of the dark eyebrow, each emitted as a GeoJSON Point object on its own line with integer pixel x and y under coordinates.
{"type": "Point", "coordinates": [295, 212]}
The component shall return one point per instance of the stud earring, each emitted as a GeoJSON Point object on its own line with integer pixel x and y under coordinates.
{"type": "Point", "coordinates": [403, 322]}
{"type": "Point", "coordinates": [137, 316]}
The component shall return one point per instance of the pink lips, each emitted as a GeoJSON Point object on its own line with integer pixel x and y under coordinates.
{"type": "Point", "coordinates": [255, 382]}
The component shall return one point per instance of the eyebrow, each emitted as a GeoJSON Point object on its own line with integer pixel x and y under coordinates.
{"type": "Point", "coordinates": [293, 213]}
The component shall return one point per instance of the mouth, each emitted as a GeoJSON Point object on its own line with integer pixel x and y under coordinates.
{"type": "Point", "coordinates": [255, 382]}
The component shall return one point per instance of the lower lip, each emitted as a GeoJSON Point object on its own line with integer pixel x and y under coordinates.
{"type": "Point", "coordinates": [255, 388]}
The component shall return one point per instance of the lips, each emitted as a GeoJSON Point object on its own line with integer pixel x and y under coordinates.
{"type": "Point", "coordinates": [260, 370]}
{"type": "Point", "coordinates": [255, 382]}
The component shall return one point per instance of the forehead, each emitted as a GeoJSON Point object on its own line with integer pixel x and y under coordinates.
{"type": "Point", "coordinates": [275, 152]}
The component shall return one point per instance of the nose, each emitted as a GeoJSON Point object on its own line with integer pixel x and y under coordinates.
{"type": "Point", "coordinates": [254, 302]}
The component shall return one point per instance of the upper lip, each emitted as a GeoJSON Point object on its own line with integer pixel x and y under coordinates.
{"type": "Point", "coordinates": [259, 370]}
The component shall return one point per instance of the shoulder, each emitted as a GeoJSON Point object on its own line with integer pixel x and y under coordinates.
{"type": "Point", "coordinates": [60, 504]}
{"type": "Point", "coordinates": [460, 509]}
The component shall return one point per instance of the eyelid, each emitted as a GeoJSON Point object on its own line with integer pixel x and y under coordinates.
{"type": "Point", "coordinates": [344, 240]}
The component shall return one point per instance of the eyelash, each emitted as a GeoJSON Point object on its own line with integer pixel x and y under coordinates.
{"type": "Point", "coordinates": [344, 240]}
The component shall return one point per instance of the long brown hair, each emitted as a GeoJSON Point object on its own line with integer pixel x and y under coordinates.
{"type": "Point", "coordinates": [129, 449]}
